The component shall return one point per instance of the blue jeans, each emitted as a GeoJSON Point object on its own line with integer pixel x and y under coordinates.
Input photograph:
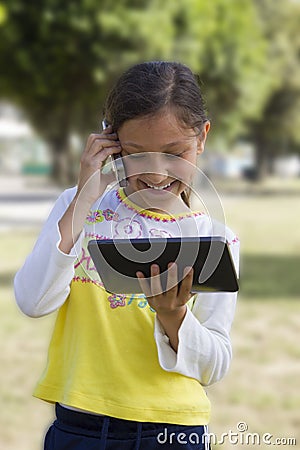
{"type": "Point", "coordinates": [74, 430]}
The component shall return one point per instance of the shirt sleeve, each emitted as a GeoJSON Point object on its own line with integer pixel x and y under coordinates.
{"type": "Point", "coordinates": [42, 284]}
{"type": "Point", "coordinates": [204, 349]}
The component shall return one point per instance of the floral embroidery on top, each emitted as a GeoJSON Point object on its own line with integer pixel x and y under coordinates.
{"type": "Point", "coordinates": [94, 216]}
{"type": "Point", "coordinates": [109, 214]}
{"type": "Point", "coordinates": [154, 232]}
{"type": "Point", "coordinates": [116, 300]}
{"type": "Point", "coordinates": [128, 228]}
{"type": "Point", "coordinates": [95, 236]}
{"type": "Point", "coordinates": [98, 216]}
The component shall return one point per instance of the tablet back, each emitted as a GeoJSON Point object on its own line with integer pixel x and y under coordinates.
{"type": "Point", "coordinates": [118, 260]}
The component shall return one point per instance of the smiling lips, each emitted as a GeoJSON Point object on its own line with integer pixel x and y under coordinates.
{"type": "Point", "coordinates": [159, 188]}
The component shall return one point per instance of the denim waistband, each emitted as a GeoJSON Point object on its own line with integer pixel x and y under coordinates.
{"type": "Point", "coordinates": [120, 431]}
{"type": "Point", "coordinates": [93, 422]}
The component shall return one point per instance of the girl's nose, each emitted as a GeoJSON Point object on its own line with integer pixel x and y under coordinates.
{"type": "Point", "coordinates": [156, 178]}
{"type": "Point", "coordinates": [156, 167]}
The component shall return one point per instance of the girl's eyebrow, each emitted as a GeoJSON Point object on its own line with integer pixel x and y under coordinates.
{"type": "Point", "coordinates": [140, 147]}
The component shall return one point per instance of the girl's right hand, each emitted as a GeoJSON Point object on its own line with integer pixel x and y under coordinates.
{"type": "Point", "coordinates": [91, 182]}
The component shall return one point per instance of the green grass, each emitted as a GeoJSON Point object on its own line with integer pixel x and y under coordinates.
{"type": "Point", "coordinates": [271, 276]}
{"type": "Point", "coordinates": [262, 386]}
{"type": "Point", "coordinates": [23, 355]}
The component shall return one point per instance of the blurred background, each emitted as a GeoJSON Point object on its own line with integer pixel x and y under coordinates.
{"type": "Point", "coordinates": [57, 63]}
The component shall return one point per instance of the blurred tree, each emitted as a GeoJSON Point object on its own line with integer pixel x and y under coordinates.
{"type": "Point", "coordinates": [59, 59]}
{"type": "Point", "coordinates": [277, 129]}
{"type": "Point", "coordinates": [223, 40]}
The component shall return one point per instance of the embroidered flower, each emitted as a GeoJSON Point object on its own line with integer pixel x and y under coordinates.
{"type": "Point", "coordinates": [142, 303]}
{"type": "Point", "coordinates": [109, 214]}
{"type": "Point", "coordinates": [94, 216]}
{"type": "Point", "coordinates": [117, 300]}
{"type": "Point", "coordinates": [128, 228]}
{"type": "Point", "coordinates": [154, 232]}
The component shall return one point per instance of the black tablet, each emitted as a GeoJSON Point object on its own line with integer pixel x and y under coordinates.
{"type": "Point", "coordinates": [118, 260]}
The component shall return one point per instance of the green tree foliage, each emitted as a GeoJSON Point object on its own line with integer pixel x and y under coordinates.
{"type": "Point", "coordinates": [59, 59]}
{"type": "Point", "coordinates": [223, 40]}
{"type": "Point", "coordinates": [277, 129]}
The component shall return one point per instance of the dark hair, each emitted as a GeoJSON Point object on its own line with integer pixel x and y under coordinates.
{"type": "Point", "coordinates": [147, 88]}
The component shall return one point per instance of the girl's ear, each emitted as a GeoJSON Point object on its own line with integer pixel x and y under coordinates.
{"type": "Point", "coordinates": [202, 137]}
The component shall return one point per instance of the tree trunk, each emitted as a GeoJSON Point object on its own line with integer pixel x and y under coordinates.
{"type": "Point", "coordinates": [261, 165]}
{"type": "Point", "coordinates": [264, 154]}
{"type": "Point", "coordinates": [64, 167]}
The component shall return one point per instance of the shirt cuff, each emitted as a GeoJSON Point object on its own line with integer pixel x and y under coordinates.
{"type": "Point", "coordinates": [61, 258]}
{"type": "Point", "coordinates": [166, 354]}
{"type": "Point", "coordinates": [184, 360]}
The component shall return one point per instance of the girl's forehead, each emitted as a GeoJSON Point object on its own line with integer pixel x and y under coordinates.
{"type": "Point", "coordinates": [161, 127]}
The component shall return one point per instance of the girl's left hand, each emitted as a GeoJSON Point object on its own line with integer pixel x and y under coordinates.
{"type": "Point", "coordinates": [169, 305]}
{"type": "Point", "coordinates": [173, 300]}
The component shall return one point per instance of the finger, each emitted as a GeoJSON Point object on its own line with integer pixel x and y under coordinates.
{"type": "Point", "coordinates": [144, 284]}
{"type": "Point", "coordinates": [188, 272]}
{"type": "Point", "coordinates": [108, 131]}
{"type": "Point", "coordinates": [155, 281]}
{"type": "Point", "coordinates": [186, 284]}
{"type": "Point", "coordinates": [94, 137]}
{"type": "Point", "coordinates": [103, 142]}
{"type": "Point", "coordinates": [172, 280]}
{"type": "Point", "coordinates": [109, 135]}
{"type": "Point", "coordinates": [95, 162]}
{"type": "Point", "coordinates": [104, 151]}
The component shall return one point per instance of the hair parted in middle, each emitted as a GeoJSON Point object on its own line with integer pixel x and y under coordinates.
{"type": "Point", "coordinates": [147, 88]}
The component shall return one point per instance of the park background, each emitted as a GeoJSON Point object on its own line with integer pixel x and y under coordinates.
{"type": "Point", "coordinates": [57, 63]}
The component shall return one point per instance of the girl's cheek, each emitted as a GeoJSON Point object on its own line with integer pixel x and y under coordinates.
{"type": "Point", "coordinates": [134, 169]}
{"type": "Point", "coordinates": [184, 172]}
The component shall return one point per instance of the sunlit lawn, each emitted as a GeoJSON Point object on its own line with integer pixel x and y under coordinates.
{"type": "Point", "coordinates": [262, 387]}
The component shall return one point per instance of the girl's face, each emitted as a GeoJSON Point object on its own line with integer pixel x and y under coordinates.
{"type": "Point", "coordinates": [160, 158]}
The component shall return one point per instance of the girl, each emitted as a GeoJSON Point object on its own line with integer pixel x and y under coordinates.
{"type": "Point", "coordinates": [127, 372]}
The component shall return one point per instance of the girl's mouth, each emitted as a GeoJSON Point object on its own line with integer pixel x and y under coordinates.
{"type": "Point", "coordinates": [158, 188]}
